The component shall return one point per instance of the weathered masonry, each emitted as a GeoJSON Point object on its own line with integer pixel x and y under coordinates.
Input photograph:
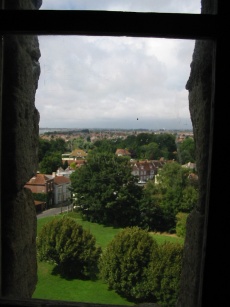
{"type": "Point", "coordinates": [205, 262]}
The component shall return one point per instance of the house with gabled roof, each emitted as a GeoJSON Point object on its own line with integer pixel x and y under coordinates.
{"type": "Point", "coordinates": [122, 152]}
{"type": "Point", "coordinates": [77, 154]}
{"type": "Point", "coordinates": [145, 169]}
{"type": "Point", "coordinates": [40, 183]}
{"type": "Point", "coordinates": [64, 172]}
{"type": "Point", "coordinates": [42, 187]}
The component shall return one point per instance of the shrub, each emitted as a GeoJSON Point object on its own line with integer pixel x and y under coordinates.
{"type": "Point", "coordinates": [124, 262]}
{"type": "Point", "coordinates": [164, 273]}
{"type": "Point", "coordinates": [70, 247]}
{"type": "Point", "coordinates": [181, 224]}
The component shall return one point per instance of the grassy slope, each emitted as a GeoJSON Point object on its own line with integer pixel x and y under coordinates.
{"type": "Point", "coordinates": [53, 287]}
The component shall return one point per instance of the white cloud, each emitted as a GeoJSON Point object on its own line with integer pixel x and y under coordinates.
{"type": "Point", "coordinates": [111, 81]}
{"type": "Point", "coordinates": [165, 6]}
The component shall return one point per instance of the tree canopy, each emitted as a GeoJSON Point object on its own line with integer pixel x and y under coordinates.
{"type": "Point", "coordinates": [106, 190]}
{"type": "Point", "coordinates": [186, 151]}
{"type": "Point", "coordinates": [172, 193]}
{"type": "Point", "coordinates": [124, 263]}
{"type": "Point", "coordinates": [72, 248]}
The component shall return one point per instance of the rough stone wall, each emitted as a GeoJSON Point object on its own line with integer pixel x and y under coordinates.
{"type": "Point", "coordinates": [20, 134]}
{"type": "Point", "coordinates": [199, 86]}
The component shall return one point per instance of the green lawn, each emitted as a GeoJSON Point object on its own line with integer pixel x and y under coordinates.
{"type": "Point", "coordinates": [54, 287]}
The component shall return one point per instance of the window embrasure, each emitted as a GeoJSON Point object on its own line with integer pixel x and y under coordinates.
{"type": "Point", "coordinates": [146, 25]}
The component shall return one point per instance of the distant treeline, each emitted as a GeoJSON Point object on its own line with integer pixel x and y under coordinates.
{"type": "Point", "coordinates": [67, 132]}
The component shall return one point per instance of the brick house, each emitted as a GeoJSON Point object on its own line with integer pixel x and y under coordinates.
{"type": "Point", "coordinates": [145, 170]}
{"type": "Point", "coordinates": [43, 186]}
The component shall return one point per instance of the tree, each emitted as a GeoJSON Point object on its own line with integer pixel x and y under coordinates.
{"type": "Point", "coordinates": [187, 151]}
{"type": "Point", "coordinates": [82, 143]}
{"type": "Point", "coordinates": [173, 193]}
{"type": "Point", "coordinates": [181, 224]}
{"type": "Point", "coordinates": [50, 163]}
{"type": "Point", "coordinates": [124, 263]}
{"type": "Point", "coordinates": [107, 191]}
{"type": "Point", "coordinates": [105, 146]}
{"type": "Point", "coordinates": [150, 151]}
{"type": "Point", "coordinates": [70, 247]}
{"type": "Point", "coordinates": [189, 199]}
{"type": "Point", "coordinates": [151, 213]}
{"type": "Point", "coordinates": [47, 148]}
{"type": "Point", "coordinates": [65, 164]}
{"type": "Point", "coordinates": [43, 149]}
{"type": "Point", "coordinates": [58, 145]}
{"type": "Point", "coordinates": [167, 144]}
{"type": "Point", "coordinates": [164, 273]}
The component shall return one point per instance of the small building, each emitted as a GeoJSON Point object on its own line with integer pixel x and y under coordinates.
{"type": "Point", "coordinates": [76, 154]}
{"type": "Point", "coordinates": [64, 172]}
{"type": "Point", "coordinates": [62, 192]}
{"type": "Point", "coordinates": [122, 152]}
{"type": "Point", "coordinates": [145, 169]}
{"type": "Point", "coordinates": [43, 186]}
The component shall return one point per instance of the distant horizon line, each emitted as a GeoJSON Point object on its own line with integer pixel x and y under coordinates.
{"type": "Point", "coordinates": [156, 129]}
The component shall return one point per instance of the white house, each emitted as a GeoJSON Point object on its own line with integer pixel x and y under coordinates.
{"type": "Point", "coordinates": [62, 192]}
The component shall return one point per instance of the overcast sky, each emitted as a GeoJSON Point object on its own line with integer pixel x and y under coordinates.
{"type": "Point", "coordinates": [115, 82]}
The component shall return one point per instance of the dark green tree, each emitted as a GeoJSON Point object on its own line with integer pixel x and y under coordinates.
{"type": "Point", "coordinates": [50, 163]}
{"type": "Point", "coordinates": [151, 145]}
{"type": "Point", "coordinates": [58, 145]}
{"type": "Point", "coordinates": [164, 273]}
{"type": "Point", "coordinates": [72, 248]}
{"type": "Point", "coordinates": [167, 140]}
{"type": "Point", "coordinates": [174, 192]}
{"type": "Point", "coordinates": [186, 151]}
{"type": "Point", "coordinates": [124, 263]}
{"type": "Point", "coordinates": [43, 149]}
{"type": "Point", "coordinates": [151, 213]}
{"type": "Point", "coordinates": [106, 190]}
{"type": "Point", "coordinates": [181, 219]}
{"type": "Point", "coordinates": [107, 146]}
{"type": "Point", "coordinates": [189, 199]}
{"type": "Point", "coordinates": [150, 151]}
{"type": "Point", "coordinates": [65, 164]}
{"type": "Point", "coordinates": [172, 180]}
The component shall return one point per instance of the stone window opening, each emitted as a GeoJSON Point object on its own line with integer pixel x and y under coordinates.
{"type": "Point", "coordinates": [203, 270]}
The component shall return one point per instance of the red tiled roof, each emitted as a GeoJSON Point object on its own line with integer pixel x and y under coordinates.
{"type": "Point", "coordinates": [39, 179]}
{"type": "Point", "coordinates": [122, 152]}
{"type": "Point", "coordinates": [36, 188]}
{"type": "Point", "coordinates": [38, 183]}
{"type": "Point", "coordinates": [61, 180]}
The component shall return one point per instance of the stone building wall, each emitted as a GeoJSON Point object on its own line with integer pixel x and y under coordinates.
{"type": "Point", "coordinates": [199, 86]}
{"type": "Point", "coordinates": [20, 131]}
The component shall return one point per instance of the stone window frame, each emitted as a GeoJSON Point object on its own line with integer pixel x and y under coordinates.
{"type": "Point", "coordinates": [182, 26]}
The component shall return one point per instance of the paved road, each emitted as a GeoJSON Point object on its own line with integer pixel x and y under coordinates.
{"type": "Point", "coordinates": [53, 211]}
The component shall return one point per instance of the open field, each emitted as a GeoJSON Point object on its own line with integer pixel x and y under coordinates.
{"type": "Point", "coordinates": [54, 287]}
